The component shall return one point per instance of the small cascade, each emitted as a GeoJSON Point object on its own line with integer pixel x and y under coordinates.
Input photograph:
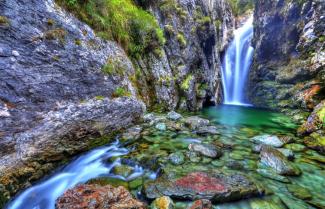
{"type": "Point", "coordinates": [89, 166]}
{"type": "Point", "coordinates": [236, 65]}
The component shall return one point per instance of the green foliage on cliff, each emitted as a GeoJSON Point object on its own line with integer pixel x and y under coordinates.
{"type": "Point", "coordinates": [120, 20]}
{"type": "Point", "coordinates": [239, 7]}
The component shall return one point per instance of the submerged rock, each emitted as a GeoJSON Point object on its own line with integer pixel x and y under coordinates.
{"type": "Point", "coordinates": [195, 122]}
{"type": "Point", "coordinates": [205, 150]}
{"type": "Point", "coordinates": [205, 130]}
{"type": "Point", "coordinates": [176, 158]}
{"type": "Point", "coordinates": [273, 141]}
{"type": "Point", "coordinates": [299, 192]}
{"type": "Point", "coordinates": [272, 175]}
{"type": "Point", "coordinates": [163, 202]}
{"type": "Point", "coordinates": [213, 186]}
{"type": "Point", "coordinates": [174, 116]}
{"type": "Point", "coordinates": [201, 204]}
{"type": "Point", "coordinates": [161, 126]}
{"type": "Point", "coordinates": [316, 141]}
{"type": "Point", "coordinates": [94, 196]}
{"type": "Point", "coordinates": [132, 134]}
{"type": "Point", "coordinates": [274, 159]}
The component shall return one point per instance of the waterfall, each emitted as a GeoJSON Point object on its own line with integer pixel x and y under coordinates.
{"type": "Point", "coordinates": [236, 65]}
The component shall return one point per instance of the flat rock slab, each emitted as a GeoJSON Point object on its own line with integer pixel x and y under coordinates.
{"type": "Point", "coordinates": [213, 186]}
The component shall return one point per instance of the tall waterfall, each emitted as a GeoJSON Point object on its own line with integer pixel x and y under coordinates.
{"type": "Point", "coordinates": [236, 65]}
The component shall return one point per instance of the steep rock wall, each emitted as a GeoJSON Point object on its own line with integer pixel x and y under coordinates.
{"type": "Point", "coordinates": [288, 69]}
{"type": "Point", "coordinates": [54, 99]}
{"type": "Point", "coordinates": [185, 73]}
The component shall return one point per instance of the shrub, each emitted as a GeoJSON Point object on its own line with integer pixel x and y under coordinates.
{"type": "Point", "coordinates": [120, 20]}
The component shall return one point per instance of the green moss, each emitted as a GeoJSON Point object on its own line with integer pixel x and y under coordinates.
{"type": "Point", "coordinates": [181, 40]}
{"type": "Point", "coordinates": [99, 97]}
{"type": "Point", "coordinates": [186, 83]}
{"type": "Point", "coordinates": [77, 42]}
{"type": "Point", "coordinates": [321, 39]}
{"type": "Point", "coordinates": [121, 92]}
{"type": "Point", "coordinates": [240, 7]}
{"type": "Point", "coordinates": [114, 67]}
{"type": "Point", "coordinates": [4, 21]}
{"type": "Point", "coordinates": [321, 115]}
{"type": "Point", "coordinates": [120, 20]}
{"type": "Point", "coordinates": [169, 30]}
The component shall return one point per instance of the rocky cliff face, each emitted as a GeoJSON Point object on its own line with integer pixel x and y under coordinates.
{"type": "Point", "coordinates": [55, 100]}
{"type": "Point", "coordinates": [288, 69]}
{"type": "Point", "coordinates": [185, 73]}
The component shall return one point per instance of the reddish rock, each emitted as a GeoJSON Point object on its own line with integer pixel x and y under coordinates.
{"type": "Point", "coordinates": [201, 204]}
{"type": "Point", "coordinates": [214, 186]}
{"type": "Point", "coordinates": [98, 197]}
{"type": "Point", "coordinates": [201, 182]}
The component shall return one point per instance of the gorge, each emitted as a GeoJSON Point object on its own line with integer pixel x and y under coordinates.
{"type": "Point", "coordinates": [162, 104]}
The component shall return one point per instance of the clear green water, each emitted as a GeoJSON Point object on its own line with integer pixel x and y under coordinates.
{"type": "Point", "coordinates": [236, 126]}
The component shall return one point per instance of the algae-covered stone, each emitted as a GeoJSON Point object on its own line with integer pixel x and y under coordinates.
{"type": "Point", "coordinates": [264, 204]}
{"type": "Point", "coordinates": [272, 175]}
{"type": "Point", "coordinates": [122, 170]}
{"type": "Point", "coordinates": [201, 204]}
{"type": "Point", "coordinates": [163, 202]}
{"type": "Point", "coordinates": [316, 141]}
{"type": "Point", "coordinates": [299, 192]}
{"type": "Point", "coordinates": [205, 150]}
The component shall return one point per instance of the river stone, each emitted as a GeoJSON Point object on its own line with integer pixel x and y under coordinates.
{"type": "Point", "coordinates": [273, 141]}
{"type": "Point", "coordinates": [287, 152]}
{"type": "Point", "coordinates": [201, 204]}
{"type": "Point", "coordinates": [299, 192]}
{"type": "Point", "coordinates": [205, 150]}
{"type": "Point", "coordinates": [176, 158]}
{"type": "Point", "coordinates": [163, 202]}
{"type": "Point", "coordinates": [94, 196]}
{"type": "Point", "coordinates": [174, 116]}
{"type": "Point", "coordinates": [274, 159]}
{"type": "Point", "coordinates": [205, 130]}
{"type": "Point", "coordinates": [195, 122]}
{"type": "Point", "coordinates": [213, 186]}
{"type": "Point", "coordinates": [161, 126]}
{"type": "Point", "coordinates": [272, 175]}
{"type": "Point", "coordinates": [132, 134]}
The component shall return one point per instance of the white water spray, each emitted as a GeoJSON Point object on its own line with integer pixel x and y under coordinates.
{"type": "Point", "coordinates": [236, 65]}
{"type": "Point", "coordinates": [84, 168]}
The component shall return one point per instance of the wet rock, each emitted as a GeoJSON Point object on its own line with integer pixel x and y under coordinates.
{"type": "Point", "coordinates": [272, 175]}
{"type": "Point", "coordinates": [214, 186]}
{"type": "Point", "coordinates": [287, 152]}
{"type": "Point", "coordinates": [206, 130]}
{"type": "Point", "coordinates": [132, 134]}
{"type": "Point", "coordinates": [174, 116]}
{"type": "Point", "coordinates": [273, 141]}
{"type": "Point", "coordinates": [194, 157]}
{"type": "Point", "coordinates": [315, 121]}
{"type": "Point", "coordinates": [176, 158]}
{"type": "Point", "coordinates": [274, 159]}
{"type": "Point", "coordinates": [295, 147]}
{"type": "Point", "coordinates": [299, 192]}
{"type": "Point", "coordinates": [316, 141]}
{"type": "Point", "coordinates": [195, 122]}
{"type": "Point", "coordinates": [201, 204]}
{"type": "Point", "coordinates": [205, 150]}
{"type": "Point", "coordinates": [122, 170]}
{"type": "Point", "coordinates": [149, 117]}
{"type": "Point", "coordinates": [94, 196]}
{"type": "Point", "coordinates": [161, 126]}
{"type": "Point", "coordinates": [163, 202]}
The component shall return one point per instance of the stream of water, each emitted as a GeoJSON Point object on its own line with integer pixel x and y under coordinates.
{"type": "Point", "coordinates": [236, 65]}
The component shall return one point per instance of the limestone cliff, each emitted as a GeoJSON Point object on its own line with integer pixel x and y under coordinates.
{"type": "Point", "coordinates": [288, 70]}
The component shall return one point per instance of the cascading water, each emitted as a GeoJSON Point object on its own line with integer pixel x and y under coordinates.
{"type": "Point", "coordinates": [84, 168]}
{"type": "Point", "coordinates": [236, 65]}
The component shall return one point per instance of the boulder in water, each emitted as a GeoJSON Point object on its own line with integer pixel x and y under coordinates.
{"type": "Point", "coordinates": [205, 130]}
{"type": "Point", "coordinates": [274, 159]}
{"type": "Point", "coordinates": [87, 196]}
{"type": "Point", "coordinates": [195, 122]}
{"type": "Point", "coordinates": [205, 150]}
{"type": "Point", "coordinates": [210, 185]}
{"type": "Point", "coordinates": [270, 140]}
